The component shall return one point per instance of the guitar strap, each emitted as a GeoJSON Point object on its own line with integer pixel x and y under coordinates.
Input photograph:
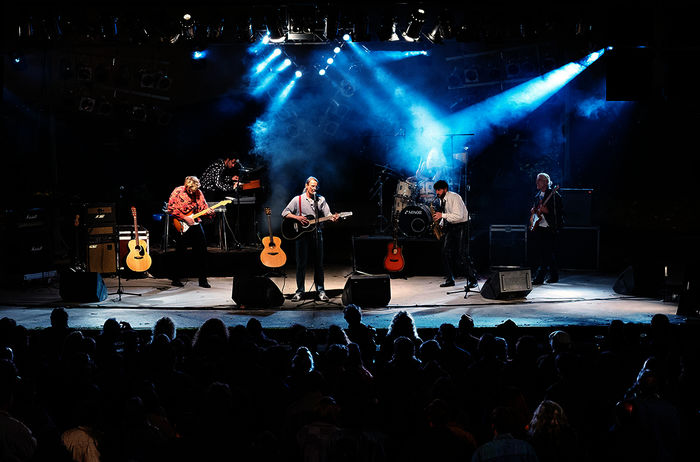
{"type": "Point", "coordinates": [300, 205]}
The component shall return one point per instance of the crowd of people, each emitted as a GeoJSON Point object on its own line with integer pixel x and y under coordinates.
{"type": "Point", "coordinates": [347, 393]}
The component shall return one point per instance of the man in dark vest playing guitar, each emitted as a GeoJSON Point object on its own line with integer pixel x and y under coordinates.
{"type": "Point", "coordinates": [300, 208]}
{"type": "Point", "coordinates": [185, 201]}
{"type": "Point", "coordinates": [546, 219]}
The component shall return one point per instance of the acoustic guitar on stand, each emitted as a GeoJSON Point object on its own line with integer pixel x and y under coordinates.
{"type": "Point", "coordinates": [182, 227]}
{"type": "Point", "coordinates": [138, 259]}
{"type": "Point", "coordinates": [272, 255]}
{"type": "Point", "coordinates": [537, 211]}
{"type": "Point", "coordinates": [394, 257]}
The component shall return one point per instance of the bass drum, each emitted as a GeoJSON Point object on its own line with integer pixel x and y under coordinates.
{"type": "Point", "coordinates": [415, 220]}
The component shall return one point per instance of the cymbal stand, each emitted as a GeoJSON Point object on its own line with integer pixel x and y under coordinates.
{"type": "Point", "coordinates": [379, 191]}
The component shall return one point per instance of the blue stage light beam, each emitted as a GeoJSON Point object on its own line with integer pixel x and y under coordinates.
{"type": "Point", "coordinates": [424, 129]}
{"type": "Point", "coordinates": [261, 66]}
{"type": "Point", "coordinates": [517, 102]}
{"type": "Point", "coordinates": [285, 64]}
{"type": "Point", "coordinates": [199, 54]}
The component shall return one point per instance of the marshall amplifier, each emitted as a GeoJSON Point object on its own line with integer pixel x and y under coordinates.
{"type": "Point", "coordinates": [100, 215]}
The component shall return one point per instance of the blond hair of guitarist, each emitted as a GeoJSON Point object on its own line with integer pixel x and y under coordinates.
{"type": "Point", "coordinates": [185, 201]}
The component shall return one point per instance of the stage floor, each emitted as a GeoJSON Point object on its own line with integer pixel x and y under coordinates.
{"type": "Point", "coordinates": [579, 299]}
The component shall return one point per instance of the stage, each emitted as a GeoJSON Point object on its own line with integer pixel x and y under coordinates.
{"type": "Point", "coordinates": [579, 299]}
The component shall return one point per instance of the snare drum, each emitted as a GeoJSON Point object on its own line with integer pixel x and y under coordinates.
{"type": "Point", "coordinates": [415, 220]}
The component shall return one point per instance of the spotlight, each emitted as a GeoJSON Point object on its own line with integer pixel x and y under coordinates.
{"type": "Point", "coordinates": [415, 25]}
{"type": "Point", "coordinates": [329, 60]}
{"type": "Point", "coordinates": [86, 104]}
{"type": "Point", "coordinates": [336, 50]}
{"type": "Point", "coordinates": [346, 37]}
{"type": "Point", "coordinates": [297, 74]}
{"type": "Point", "coordinates": [387, 30]}
{"type": "Point", "coordinates": [275, 28]}
{"type": "Point", "coordinates": [442, 30]}
{"type": "Point", "coordinates": [199, 54]}
{"type": "Point", "coordinates": [322, 72]}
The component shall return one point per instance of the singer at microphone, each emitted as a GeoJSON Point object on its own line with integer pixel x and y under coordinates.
{"type": "Point", "coordinates": [307, 208]}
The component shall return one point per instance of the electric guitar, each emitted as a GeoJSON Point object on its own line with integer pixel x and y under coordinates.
{"type": "Point", "coordinates": [292, 229]}
{"type": "Point", "coordinates": [182, 227]}
{"type": "Point", "coordinates": [537, 211]}
{"type": "Point", "coordinates": [272, 255]}
{"type": "Point", "coordinates": [394, 258]}
{"type": "Point", "coordinates": [138, 259]}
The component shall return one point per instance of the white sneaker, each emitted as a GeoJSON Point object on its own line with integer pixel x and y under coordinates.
{"type": "Point", "coordinates": [322, 296]}
{"type": "Point", "coordinates": [297, 296]}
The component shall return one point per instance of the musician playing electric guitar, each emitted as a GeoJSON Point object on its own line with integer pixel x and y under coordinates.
{"type": "Point", "coordinates": [308, 203]}
{"type": "Point", "coordinates": [546, 219]}
{"type": "Point", "coordinates": [187, 200]}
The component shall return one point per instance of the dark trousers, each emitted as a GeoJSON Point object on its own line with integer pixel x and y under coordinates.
{"type": "Point", "coordinates": [450, 249]}
{"type": "Point", "coordinates": [193, 237]}
{"type": "Point", "coordinates": [305, 245]}
{"type": "Point", "coordinates": [544, 246]}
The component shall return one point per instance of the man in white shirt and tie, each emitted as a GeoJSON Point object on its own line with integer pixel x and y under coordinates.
{"type": "Point", "coordinates": [452, 217]}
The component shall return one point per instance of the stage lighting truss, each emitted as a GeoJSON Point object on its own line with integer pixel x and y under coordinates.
{"type": "Point", "coordinates": [305, 24]}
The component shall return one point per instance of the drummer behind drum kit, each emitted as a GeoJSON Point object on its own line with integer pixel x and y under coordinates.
{"type": "Point", "coordinates": [412, 207]}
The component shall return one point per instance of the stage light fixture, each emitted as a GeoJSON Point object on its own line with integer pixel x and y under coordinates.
{"type": "Point", "coordinates": [387, 30]}
{"type": "Point", "coordinates": [86, 104]}
{"type": "Point", "coordinates": [138, 112]}
{"type": "Point", "coordinates": [347, 37]}
{"type": "Point", "coordinates": [415, 25]}
{"type": "Point", "coordinates": [442, 30]}
{"type": "Point", "coordinates": [275, 28]}
{"type": "Point", "coordinates": [322, 72]}
{"type": "Point", "coordinates": [329, 60]}
{"type": "Point", "coordinates": [336, 50]}
{"type": "Point", "coordinates": [298, 74]}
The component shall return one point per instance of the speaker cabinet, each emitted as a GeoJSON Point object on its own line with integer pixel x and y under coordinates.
{"type": "Point", "coordinates": [82, 287]}
{"type": "Point", "coordinates": [577, 205]}
{"type": "Point", "coordinates": [507, 285]}
{"type": "Point", "coordinates": [507, 245]}
{"type": "Point", "coordinates": [102, 257]}
{"type": "Point", "coordinates": [256, 292]}
{"type": "Point", "coordinates": [642, 280]}
{"type": "Point", "coordinates": [367, 291]}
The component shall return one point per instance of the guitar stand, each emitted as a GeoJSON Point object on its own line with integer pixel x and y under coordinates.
{"type": "Point", "coordinates": [120, 289]}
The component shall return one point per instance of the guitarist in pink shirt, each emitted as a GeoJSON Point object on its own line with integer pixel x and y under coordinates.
{"type": "Point", "coordinates": [546, 219]}
{"type": "Point", "coordinates": [185, 201]}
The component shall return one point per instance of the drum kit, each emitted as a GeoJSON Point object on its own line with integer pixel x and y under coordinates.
{"type": "Point", "coordinates": [412, 206]}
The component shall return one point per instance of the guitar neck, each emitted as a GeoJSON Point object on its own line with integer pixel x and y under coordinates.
{"type": "Point", "coordinates": [199, 214]}
{"type": "Point", "coordinates": [321, 220]}
{"type": "Point", "coordinates": [136, 230]}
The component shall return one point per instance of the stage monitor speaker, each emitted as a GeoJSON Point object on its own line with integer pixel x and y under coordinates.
{"type": "Point", "coordinates": [507, 284]}
{"type": "Point", "coordinates": [102, 257]}
{"type": "Point", "coordinates": [367, 290]}
{"type": "Point", "coordinates": [82, 287]}
{"type": "Point", "coordinates": [256, 292]}
{"type": "Point", "coordinates": [641, 280]}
